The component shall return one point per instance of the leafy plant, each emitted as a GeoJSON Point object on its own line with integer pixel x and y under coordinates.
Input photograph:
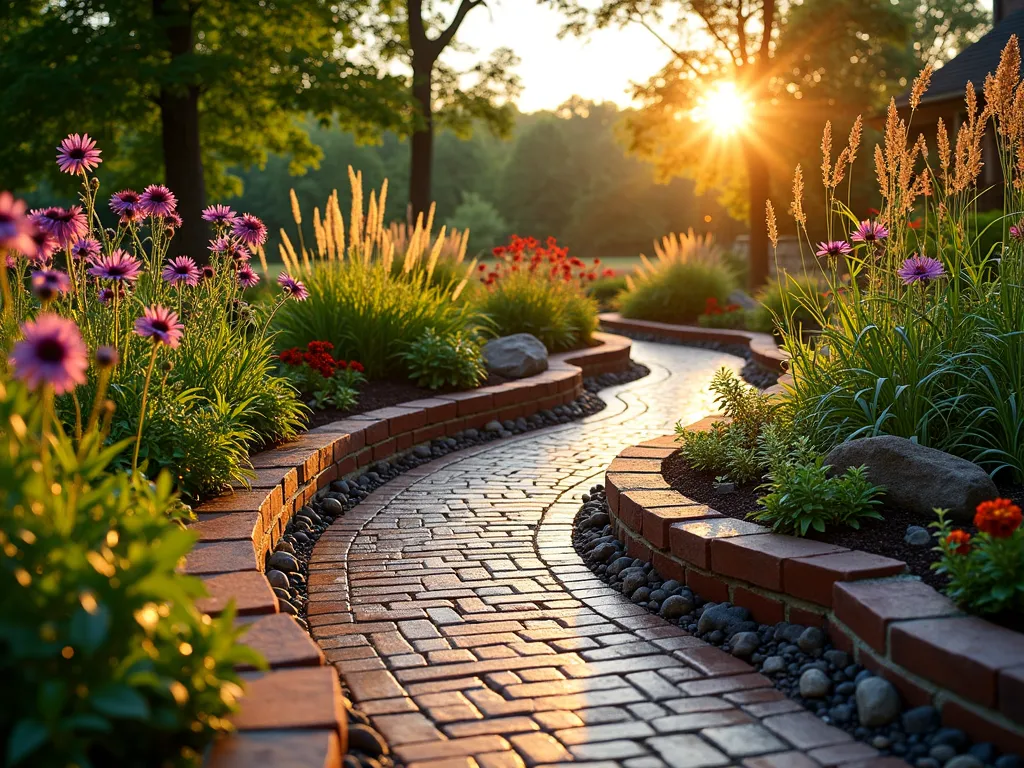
{"type": "Point", "coordinates": [986, 571]}
{"type": "Point", "coordinates": [606, 289]}
{"type": "Point", "coordinates": [315, 373]}
{"type": "Point", "coordinates": [675, 292]}
{"type": "Point", "coordinates": [802, 495]}
{"type": "Point", "coordinates": [436, 361]}
{"type": "Point", "coordinates": [104, 656]}
{"type": "Point", "coordinates": [730, 447]}
{"type": "Point", "coordinates": [780, 305]}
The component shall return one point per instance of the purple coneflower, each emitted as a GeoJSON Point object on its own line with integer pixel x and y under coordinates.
{"type": "Point", "coordinates": [1017, 230]}
{"type": "Point", "coordinates": [247, 278]}
{"type": "Point", "coordinates": [51, 352]}
{"type": "Point", "coordinates": [181, 269]}
{"type": "Point", "coordinates": [78, 153]}
{"type": "Point", "coordinates": [43, 246]}
{"type": "Point", "coordinates": [161, 325]}
{"type": "Point", "coordinates": [219, 214]}
{"type": "Point", "coordinates": [833, 248]}
{"type": "Point", "coordinates": [118, 266]}
{"type": "Point", "coordinates": [249, 230]}
{"type": "Point", "coordinates": [87, 248]}
{"type": "Point", "coordinates": [48, 284]}
{"type": "Point", "coordinates": [128, 205]}
{"type": "Point", "coordinates": [15, 227]}
{"type": "Point", "coordinates": [67, 225]}
{"type": "Point", "coordinates": [173, 221]}
{"type": "Point", "coordinates": [923, 268]}
{"type": "Point", "coordinates": [208, 272]}
{"type": "Point", "coordinates": [869, 232]}
{"type": "Point", "coordinates": [105, 295]}
{"type": "Point", "coordinates": [292, 287]}
{"type": "Point", "coordinates": [157, 200]}
{"type": "Point", "coordinates": [106, 357]}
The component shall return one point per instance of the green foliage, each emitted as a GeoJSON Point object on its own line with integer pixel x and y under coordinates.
{"type": "Point", "coordinates": [731, 447]}
{"type": "Point", "coordinates": [436, 361]}
{"type": "Point", "coordinates": [369, 314]}
{"type": "Point", "coordinates": [803, 496]}
{"type": "Point", "coordinates": [986, 572]}
{"type": "Point", "coordinates": [328, 381]}
{"type": "Point", "coordinates": [676, 292]}
{"type": "Point", "coordinates": [486, 226]}
{"type": "Point", "coordinates": [605, 291]}
{"type": "Point", "coordinates": [105, 659]}
{"type": "Point", "coordinates": [782, 305]}
{"type": "Point", "coordinates": [556, 312]}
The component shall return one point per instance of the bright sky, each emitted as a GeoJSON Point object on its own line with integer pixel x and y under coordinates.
{"type": "Point", "coordinates": [599, 66]}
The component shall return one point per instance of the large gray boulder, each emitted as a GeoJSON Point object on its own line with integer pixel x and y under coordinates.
{"type": "Point", "coordinates": [516, 356]}
{"type": "Point", "coordinates": [917, 478]}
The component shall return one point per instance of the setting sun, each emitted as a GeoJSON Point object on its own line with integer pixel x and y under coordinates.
{"type": "Point", "coordinates": [724, 108]}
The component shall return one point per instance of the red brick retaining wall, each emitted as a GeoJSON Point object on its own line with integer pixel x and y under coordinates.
{"type": "Point", "coordinates": [897, 626]}
{"type": "Point", "coordinates": [761, 345]}
{"type": "Point", "coordinates": [292, 714]}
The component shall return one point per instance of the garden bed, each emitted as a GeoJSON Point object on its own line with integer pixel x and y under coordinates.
{"type": "Point", "coordinates": [969, 669]}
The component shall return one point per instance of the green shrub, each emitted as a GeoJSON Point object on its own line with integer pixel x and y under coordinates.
{"type": "Point", "coordinates": [105, 659]}
{"type": "Point", "coordinates": [802, 496]}
{"type": "Point", "coordinates": [730, 448]}
{"type": "Point", "coordinates": [605, 291]}
{"type": "Point", "coordinates": [986, 571]}
{"type": "Point", "coordinates": [445, 361]}
{"type": "Point", "coordinates": [370, 314]}
{"type": "Point", "coordinates": [782, 301]}
{"type": "Point", "coordinates": [555, 311]}
{"type": "Point", "coordinates": [317, 374]}
{"type": "Point", "coordinates": [483, 221]}
{"type": "Point", "coordinates": [675, 292]}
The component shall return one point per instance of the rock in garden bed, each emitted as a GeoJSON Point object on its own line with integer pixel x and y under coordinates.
{"type": "Point", "coordinates": [800, 661]}
{"type": "Point", "coordinates": [516, 356]}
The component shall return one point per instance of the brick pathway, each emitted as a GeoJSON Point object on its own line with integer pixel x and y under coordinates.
{"type": "Point", "coordinates": [458, 613]}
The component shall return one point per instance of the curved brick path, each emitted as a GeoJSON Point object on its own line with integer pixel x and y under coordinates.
{"type": "Point", "coordinates": [458, 613]}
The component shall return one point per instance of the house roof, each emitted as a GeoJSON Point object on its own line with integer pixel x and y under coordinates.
{"type": "Point", "coordinates": [972, 64]}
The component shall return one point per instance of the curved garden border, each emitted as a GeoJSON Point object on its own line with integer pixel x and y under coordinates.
{"type": "Point", "coordinates": [762, 346]}
{"type": "Point", "coordinates": [971, 670]}
{"type": "Point", "coordinates": [293, 713]}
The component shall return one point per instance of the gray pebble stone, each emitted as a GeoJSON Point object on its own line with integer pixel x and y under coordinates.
{"type": "Point", "coordinates": [277, 579]}
{"type": "Point", "coordinates": [773, 665]}
{"type": "Point", "coordinates": [282, 561]}
{"type": "Point", "coordinates": [811, 639]}
{"type": "Point", "coordinates": [916, 536]}
{"type": "Point", "coordinates": [493, 426]}
{"type": "Point", "coordinates": [675, 606]}
{"type": "Point", "coordinates": [744, 644]}
{"type": "Point", "coordinates": [814, 684]}
{"type": "Point", "coordinates": [942, 752]}
{"type": "Point", "coordinates": [332, 507]}
{"type": "Point", "coordinates": [965, 761]}
{"type": "Point", "coordinates": [878, 703]}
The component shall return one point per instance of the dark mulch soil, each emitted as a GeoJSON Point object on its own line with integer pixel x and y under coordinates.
{"type": "Point", "coordinates": [881, 537]}
{"type": "Point", "coordinates": [382, 394]}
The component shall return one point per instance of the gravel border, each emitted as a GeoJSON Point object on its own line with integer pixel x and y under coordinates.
{"type": "Point", "coordinates": [287, 567]}
{"type": "Point", "coordinates": [800, 661]}
{"type": "Point", "coordinates": [753, 372]}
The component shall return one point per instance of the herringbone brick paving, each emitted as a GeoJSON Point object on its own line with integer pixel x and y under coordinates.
{"type": "Point", "coordinates": [467, 628]}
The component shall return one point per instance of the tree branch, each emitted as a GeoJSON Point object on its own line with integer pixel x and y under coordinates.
{"type": "Point", "coordinates": [715, 33]}
{"type": "Point", "coordinates": [417, 31]}
{"type": "Point", "coordinates": [439, 43]}
{"type": "Point", "coordinates": [683, 57]}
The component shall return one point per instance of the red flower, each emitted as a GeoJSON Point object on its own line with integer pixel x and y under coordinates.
{"type": "Point", "coordinates": [998, 518]}
{"type": "Point", "coordinates": [291, 356]}
{"type": "Point", "coordinates": [317, 347]}
{"type": "Point", "coordinates": [959, 541]}
{"type": "Point", "coordinates": [497, 251]}
{"type": "Point", "coordinates": [608, 272]}
{"type": "Point", "coordinates": [356, 366]}
{"type": "Point", "coordinates": [482, 267]}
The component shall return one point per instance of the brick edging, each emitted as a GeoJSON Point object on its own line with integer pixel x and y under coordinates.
{"type": "Point", "coordinates": [762, 346]}
{"type": "Point", "coordinates": [295, 707]}
{"type": "Point", "coordinates": [896, 625]}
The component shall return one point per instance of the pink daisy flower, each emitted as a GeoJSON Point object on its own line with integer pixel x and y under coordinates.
{"type": "Point", "coordinates": [87, 248]}
{"type": "Point", "coordinates": [247, 278]}
{"type": "Point", "coordinates": [158, 200]}
{"type": "Point", "coordinates": [219, 214]}
{"type": "Point", "coordinates": [292, 287]}
{"type": "Point", "coordinates": [250, 231]}
{"type": "Point", "coordinates": [173, 221]}
{"type": "Point", "coordinates": [52, 353]}
{"type": "Point", "coordinates": [67, 225]}
{"type": "Point", "coordinates": [78, 153]}
{"type": "Point", "coordinates": [15, 227]}
{"type": "Point", "coordinates": [43, 246]}
{"type": "Point", "coordinates": [105, 295]}
{"type": "Point", "coordinates": [106, 357]}
{"type": "Point", "coordinates": [869, 232]}
{"type": "Point", "coordinates": [118, 266]}
{"type": "Point", "coordinates": [181, 269]}
{"type": "Point", "coordinates": [127, 204]}
{"type": "Point", "coordinates": [920, 268]}
{"type": "Point", "coordinates": [161, 325]}
{"type": "Point", "coordinates": [48, 284]}
{"type": "Point", "coordinates": [833, 248]}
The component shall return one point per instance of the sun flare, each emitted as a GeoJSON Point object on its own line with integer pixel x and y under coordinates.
{"type": "Point", "coordinates": [722, 108]}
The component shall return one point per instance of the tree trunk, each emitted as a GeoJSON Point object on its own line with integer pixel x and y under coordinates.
{"type": "Point", "coordinates": [179, 121]}
{"type": "Point", "coordinates": [422, 142]}
{"type": "Point", "coordinates": [758, 182]}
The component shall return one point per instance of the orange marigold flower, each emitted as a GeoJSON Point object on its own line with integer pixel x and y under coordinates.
{"type": "Point", "coordinates": [960, 541]}
{"type": "Point", "coordinates": [999, 518]}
